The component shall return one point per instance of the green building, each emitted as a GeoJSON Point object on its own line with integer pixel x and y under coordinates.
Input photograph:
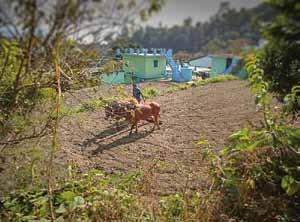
{"type": "Point", "coordinates": [138, 66]}
{"type": "Point", "coordinates": [226, 64]}
{"type": "Point", "coordinates": [113, 78]}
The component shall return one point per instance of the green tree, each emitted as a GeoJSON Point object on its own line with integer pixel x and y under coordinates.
{"type": "Point", "coordinates": [281, 56]}
{"type": "Point", "coordinates": [226, 26]}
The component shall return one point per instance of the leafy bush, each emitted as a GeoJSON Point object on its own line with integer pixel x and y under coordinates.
{"type": "Point", "coordinates": [150, 92]}
{"type": "Point", "coordinates": [91, 105]}
{"type": "Point", "coordinates": [184, 86]}
{"type": "Point", "coordinates": [258, 171]}
{"type": "Point", "coordinates": [88, 105]}
{"type": "Point", "coordinates": [100, 197]}
{"type": "Point", "coordinates": [281, 65]}
{"type": "Point", "coordinates": [90, 198]}
{"type": "Point", "coordinates": [172, 206]}
{"type": "Point", "coordinates": [280, 58]}
{"type": "Point", "coordinates": [221, 79]}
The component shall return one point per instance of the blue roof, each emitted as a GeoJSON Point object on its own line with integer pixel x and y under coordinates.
{"type": "Point", "coordinates": [201, 62]}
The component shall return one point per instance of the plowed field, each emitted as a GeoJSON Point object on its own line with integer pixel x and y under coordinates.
{"type": "Point", "coordinates": [211, 112]}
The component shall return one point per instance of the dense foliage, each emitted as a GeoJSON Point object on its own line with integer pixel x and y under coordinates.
{"type": "Point", "coordinates": [259, 170]}
{"type": "Point", "coordinates": [228, 31]}
{"type": "Point", "coordinates": [100, 197]}
{"type": "Point", "coordinates": [94, 197]}
{"type": "Point", "coordinates": [281, 56]}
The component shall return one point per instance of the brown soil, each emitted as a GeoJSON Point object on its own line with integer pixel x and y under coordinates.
{"type": "Point", "coordinates": [211, 112]}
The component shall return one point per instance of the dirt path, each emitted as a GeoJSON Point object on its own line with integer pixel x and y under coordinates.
{"type": "Point", "coordinates": [211, 112]}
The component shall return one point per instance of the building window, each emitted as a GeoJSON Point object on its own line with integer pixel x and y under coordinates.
{"type": "Point", "coordinates": [228, 62]}
{"type": "Point", "coordinates": [155, 63]}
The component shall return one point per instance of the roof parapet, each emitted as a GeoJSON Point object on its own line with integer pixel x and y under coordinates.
{"type": "Point", "coordinates": [144, 51]}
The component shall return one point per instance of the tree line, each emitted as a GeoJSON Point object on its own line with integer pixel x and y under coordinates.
{"type": "Point", "coordinates": [228, 30]}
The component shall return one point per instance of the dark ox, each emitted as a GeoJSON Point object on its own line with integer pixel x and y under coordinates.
{"type": "Point", "coordinates": [117, 110]}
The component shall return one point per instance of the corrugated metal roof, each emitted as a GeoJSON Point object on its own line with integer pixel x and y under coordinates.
{"type": "Point", "coordinates": [224, 56]}
{"type": "Point", "coordinates": [201, 62]}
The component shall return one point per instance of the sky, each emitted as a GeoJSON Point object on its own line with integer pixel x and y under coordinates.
{"type": "Point", "coordinates": [175, 11]}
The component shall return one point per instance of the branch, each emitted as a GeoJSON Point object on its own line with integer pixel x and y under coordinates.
{"type": "Point", "coordinates": [31, 34]}
{"type": "Point", "coordinates": [42, 133]}
{"type": "Point", "coordinates": [61, 12]}
{"type": "Point", "coordinates": [5, 65]}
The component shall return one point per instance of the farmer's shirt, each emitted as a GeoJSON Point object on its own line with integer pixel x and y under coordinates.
{"type": "Point", "coordinates": [137, 93]}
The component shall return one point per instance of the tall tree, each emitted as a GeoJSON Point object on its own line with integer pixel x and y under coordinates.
{"type": "Point", "coordinates": [281, 56]}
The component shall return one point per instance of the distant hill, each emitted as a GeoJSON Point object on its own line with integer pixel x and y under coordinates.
{"type": "Point", "coordinates": [227, 31]}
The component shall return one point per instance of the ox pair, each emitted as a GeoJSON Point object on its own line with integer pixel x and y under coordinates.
{"type": "Point", "coordinates": [133, 112]}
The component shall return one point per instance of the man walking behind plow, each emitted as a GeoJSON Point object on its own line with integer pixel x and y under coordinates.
{"type": "Point", "coordinates": [137, 93]}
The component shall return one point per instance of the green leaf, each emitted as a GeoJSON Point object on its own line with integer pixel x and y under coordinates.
{"type": "Point", "coordinates": [61, 209]}
{"type": "Point", "coordinates": [242, 134]}
{"type": "Point", "coordinates": [252, 146]}
{"type": "Point", "coordinates": [293, 189]}
{"type": "Point", "coordinates": [60, 219]}
{"type": "Point", "coordinates": [295, 132]}
{"type": "Point", "coordinates": [67, 196]}
{"type": "Point", "coordinates": [293, 135]}
{"type": "Point", "coordinates": [290, 185]}
{"type": "Point", "coordinates": [202, 142]}
{"type": "Point", "coordinates": [35, 154]}
{"type": "Point", "coordinates": [29, 218]}
{"type": "Point", "coordinates": [79, 201]}
{"type": "Point", "coordinates": [286, 181]}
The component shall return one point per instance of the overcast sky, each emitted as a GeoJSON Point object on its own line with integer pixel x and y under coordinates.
{"type": "Point", "coordinates": [200, 10]}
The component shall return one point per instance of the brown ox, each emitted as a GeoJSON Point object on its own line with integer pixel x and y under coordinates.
{"type": "Point", "coordinates": [144, 112]}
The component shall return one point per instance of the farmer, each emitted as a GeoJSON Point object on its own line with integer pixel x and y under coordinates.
{"type": "Point", "coordinates": [136, 92]}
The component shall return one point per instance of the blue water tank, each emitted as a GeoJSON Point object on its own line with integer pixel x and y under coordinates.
{"type": "Point", "coordinates": [186, 74]}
